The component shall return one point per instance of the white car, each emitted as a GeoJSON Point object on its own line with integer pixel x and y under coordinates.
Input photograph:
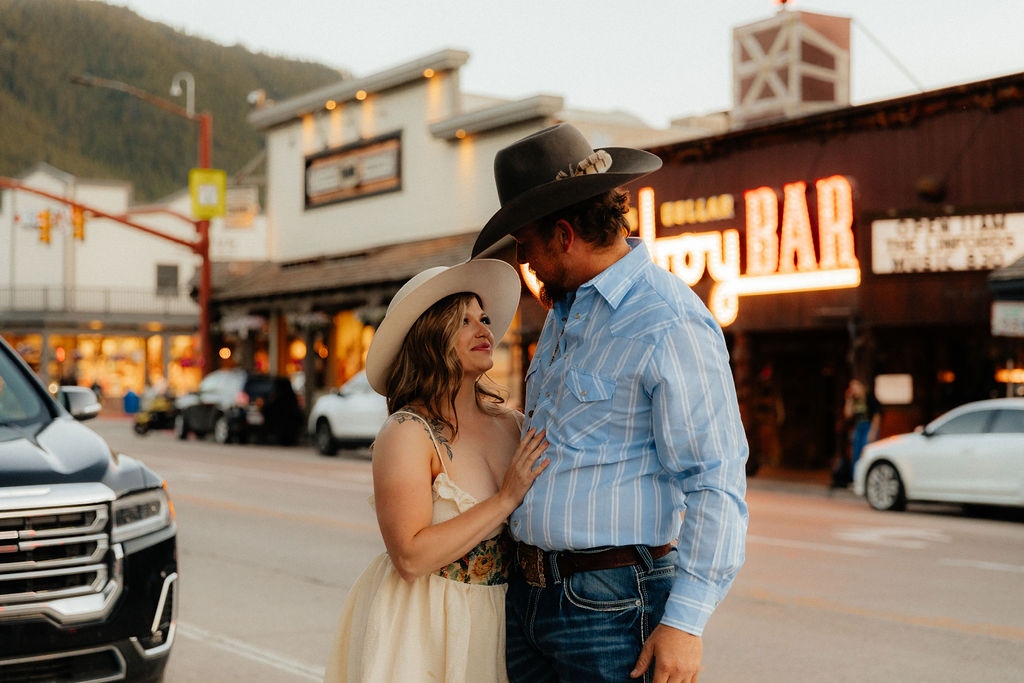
{"type": "Point", "coordinates": [972, 454]}
{"type": "Point", "coordinates": [351, 416]}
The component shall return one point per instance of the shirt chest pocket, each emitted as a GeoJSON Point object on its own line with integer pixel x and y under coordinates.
{"type": "Point", "coordinates": [589, 387]}
{"type": "Point", "coordinates": [586, 413]}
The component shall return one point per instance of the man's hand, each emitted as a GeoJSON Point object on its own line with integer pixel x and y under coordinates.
{"type": "Point", "coordinates": [676, 655]}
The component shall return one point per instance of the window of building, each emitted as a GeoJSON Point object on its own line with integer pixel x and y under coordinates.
{"type": "Point", "coordinates": [166, 280]}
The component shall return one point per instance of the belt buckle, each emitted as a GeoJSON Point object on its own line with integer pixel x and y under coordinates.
{"type": "Point", "coordinates": [533, 571]}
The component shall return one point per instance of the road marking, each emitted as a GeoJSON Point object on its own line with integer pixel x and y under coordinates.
{"type": "Point", "coordinates": [976, 564]}
{"type": "Point", "coordinates": [893, 537]}
{"type": "Point", "coordinates": [266, 512]}
{"type": "Point", "coordinates": [353, 481]}
{"type": "Point", "coordinates": [804, 545]}
{"type": "Point", "coordinates": [1001, 631]}
{"type": "Point", "coordinates": [256, 654]}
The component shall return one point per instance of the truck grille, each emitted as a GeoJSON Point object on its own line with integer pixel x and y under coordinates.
{"type": "Point", "coordinates": [52, 553]}
{"type": "Point", "coordinates": [94, 665]}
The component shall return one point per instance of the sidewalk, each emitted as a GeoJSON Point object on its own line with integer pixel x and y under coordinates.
{"type": "Point", "coordinates": [808, 482]}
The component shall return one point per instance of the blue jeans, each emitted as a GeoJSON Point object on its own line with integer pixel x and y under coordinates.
{"type": "Point", "coordinates": [588, 627]}
{"type": "Point", "coordinates": [860, 439]}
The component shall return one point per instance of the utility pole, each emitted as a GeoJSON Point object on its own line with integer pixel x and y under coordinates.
{"type": "Point", "coordinates": [205, 121]}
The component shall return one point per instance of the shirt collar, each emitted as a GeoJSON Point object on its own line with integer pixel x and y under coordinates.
{"type": "Point", "coordinates": [616, 280]}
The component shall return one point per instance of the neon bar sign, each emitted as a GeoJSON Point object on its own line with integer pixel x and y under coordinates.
{"type": "Point", "coordinates": [780, 254]}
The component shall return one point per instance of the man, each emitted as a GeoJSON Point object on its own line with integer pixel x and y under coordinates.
{"type": "Point", "coordinates": [631, 379]}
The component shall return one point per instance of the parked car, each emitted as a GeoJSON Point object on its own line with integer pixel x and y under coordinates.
{"type": "Point", "coordinates": [350, 416]}
{"type": "Point", "coordinates": [236, 405]}
{"type": "Point", "coordinates": [88, 568]}
{"type": "Point", "coordinates": [972, 454]}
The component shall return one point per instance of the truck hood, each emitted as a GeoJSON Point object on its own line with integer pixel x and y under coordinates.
{"type": "Point", "coordinates": [64, 452]}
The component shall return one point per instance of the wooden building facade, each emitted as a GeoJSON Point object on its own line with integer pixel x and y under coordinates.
{"type": "Point", "coordinates": [855, 243]}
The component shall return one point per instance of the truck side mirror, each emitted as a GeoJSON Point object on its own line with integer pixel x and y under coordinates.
{"type": "Point", "coordinates": [79, 401]}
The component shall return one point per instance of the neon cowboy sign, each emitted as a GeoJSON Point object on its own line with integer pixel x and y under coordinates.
{"type": "Point", "coordinates": [780, 253]}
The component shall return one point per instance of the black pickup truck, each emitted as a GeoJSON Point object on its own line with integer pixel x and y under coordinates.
{"type": "Point", "coordinates": [88, 560]}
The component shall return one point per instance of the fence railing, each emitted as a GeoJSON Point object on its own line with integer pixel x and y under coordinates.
{"type": "Point", "coordinates": [97, 300]}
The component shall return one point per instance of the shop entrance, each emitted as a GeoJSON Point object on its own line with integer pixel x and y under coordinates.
{"type": "Point", "coordinates": [796, 393]}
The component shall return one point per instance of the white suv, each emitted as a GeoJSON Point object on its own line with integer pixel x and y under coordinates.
{"type": "Point", "coordinates": [351, 416]}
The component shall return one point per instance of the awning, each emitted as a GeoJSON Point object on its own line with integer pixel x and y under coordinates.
{"type": "Point", "coordinates": [1007, 283]}
{"type": "Point", "coordinates": [382, 267]}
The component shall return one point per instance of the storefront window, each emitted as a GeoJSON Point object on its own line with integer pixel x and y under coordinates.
{"type": "Point", "coordinates": [261, 360]}
{"type": "Point", "coordinates": [154, 359]}
{"type": "Point", "coordinates": [295, 356]}
{"type": "Point", "coordinates": [350, 342]}
{"type": "Point", "coordinates": [183, 373]}
{"type": "Point", "coordinates": [28, 346]}
{"type": "Point", "coordinates": [111, 365]}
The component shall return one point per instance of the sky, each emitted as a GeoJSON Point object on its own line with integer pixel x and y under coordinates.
{"type": "Point", "coordinates": [658, 59]}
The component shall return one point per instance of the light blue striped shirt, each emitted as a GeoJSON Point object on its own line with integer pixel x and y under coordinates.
{"type": "Point", "coordinates": [631, 379]}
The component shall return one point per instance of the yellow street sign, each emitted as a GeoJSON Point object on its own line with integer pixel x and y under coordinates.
{"type": "Point", "coordinates": [207, 187]}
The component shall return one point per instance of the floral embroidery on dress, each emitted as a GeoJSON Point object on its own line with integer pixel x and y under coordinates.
{"type": "Point", "coordinates": [488, 563]}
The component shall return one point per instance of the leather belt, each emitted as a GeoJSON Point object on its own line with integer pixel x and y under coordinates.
{"type": "Point", "coordinates": [539, 567]}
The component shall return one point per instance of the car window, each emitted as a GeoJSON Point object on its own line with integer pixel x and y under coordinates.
{"type": "Point", "coordinates": [969, 423]}
{"type": "Point", "coordinates": [20, 403]}
{"type": "Point", "coordinates": [259, 385]}
{"type": "Point", "coordinates": [1008, 422]}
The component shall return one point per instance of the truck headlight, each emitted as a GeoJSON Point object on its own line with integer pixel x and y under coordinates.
{"type": "Point", "coordinates": [138, 514]}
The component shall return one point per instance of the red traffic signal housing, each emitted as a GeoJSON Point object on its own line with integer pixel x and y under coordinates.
{"type": "Point", "coordinates": [78, 223]}
{"type": "Point", "coordinates": [43, 222]}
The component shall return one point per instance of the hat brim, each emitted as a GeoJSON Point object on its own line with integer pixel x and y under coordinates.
{"type": "Point", "coordinates": [627, 165]}
{"type": "Point", "coordinates": [495, 282]}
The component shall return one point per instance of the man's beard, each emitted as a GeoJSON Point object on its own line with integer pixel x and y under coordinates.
{"type": "Point", "coordinates": [549, 294]}
{"type": "Point", "coordinates": [553, 288]}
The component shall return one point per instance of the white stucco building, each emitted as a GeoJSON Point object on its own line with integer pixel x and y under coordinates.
{"type": "Point", "coordinates": [369, 181]}
{"type": "Point", "coordinates": [112, 308]}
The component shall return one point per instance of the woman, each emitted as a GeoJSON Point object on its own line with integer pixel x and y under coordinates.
{"type": "Point", "coordinates": [448, 469]}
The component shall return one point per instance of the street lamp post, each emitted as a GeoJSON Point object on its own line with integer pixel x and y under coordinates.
{"type": "Point", "coordinates": [190, 90]}
{"type": "Point", "coordinates": [205, 120]}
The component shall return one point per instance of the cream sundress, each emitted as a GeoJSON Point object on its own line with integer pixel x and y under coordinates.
{"type": "Point", "coordinates": [446, 626]}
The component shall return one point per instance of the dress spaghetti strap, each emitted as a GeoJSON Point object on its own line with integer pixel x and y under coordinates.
{"type": "Point", "coordinates": [437, 446]}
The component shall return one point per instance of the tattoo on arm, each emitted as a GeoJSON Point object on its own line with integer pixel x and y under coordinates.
{"type": "Point", "coordinates": [432, 428]}
{"type": "Point", "coordinates": [435, 425]}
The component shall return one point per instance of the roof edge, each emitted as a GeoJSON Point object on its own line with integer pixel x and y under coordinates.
{"type": "Point", "coordinates": [295, 107]}
{"type": "Point", "coordinates": [987, 94]}
{"type": "Point", "coordinates": [504, 114]}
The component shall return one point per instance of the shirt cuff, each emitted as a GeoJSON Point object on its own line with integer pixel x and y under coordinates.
{"type": "Point", "coordinates": [690, 606]}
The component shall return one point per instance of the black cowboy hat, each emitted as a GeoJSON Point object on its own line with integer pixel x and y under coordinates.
{"type": "Point", "coordinates": [552, 169]}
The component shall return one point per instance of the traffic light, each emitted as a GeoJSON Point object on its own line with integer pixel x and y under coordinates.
{"type": "Point", "coordinates": [43, 221]}
{"type": "Point", "coordinates": [78, 223]}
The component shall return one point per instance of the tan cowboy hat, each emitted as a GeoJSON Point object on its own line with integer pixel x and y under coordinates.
{"type": "Point", "coordinates": [495, 282]}
{"type": "Point", "coordinates": [552, 169]}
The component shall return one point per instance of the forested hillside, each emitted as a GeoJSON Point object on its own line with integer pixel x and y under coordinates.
{"type": "Point", "coordinates": [101, 133]}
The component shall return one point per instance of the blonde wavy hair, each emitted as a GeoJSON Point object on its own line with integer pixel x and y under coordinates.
{"type": "Point", "coordinates": [427, 371]}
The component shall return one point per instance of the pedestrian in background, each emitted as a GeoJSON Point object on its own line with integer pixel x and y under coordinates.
{"type": "Point", "coordinates": [864, 413]}
{"type": "Point", "coordinates": [448, 468]}
{"type": "Point", "coordinates": [631, 381]}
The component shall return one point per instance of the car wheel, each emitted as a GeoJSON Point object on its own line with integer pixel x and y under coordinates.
{"type": "Point", "coordinates": [884, 489]}
{"type": "Point", "coordinates": [324, 439]}
{"type": "Point", "coordinates": [222, 429]}
{"type": "Point", "coordinates": [179, 427]}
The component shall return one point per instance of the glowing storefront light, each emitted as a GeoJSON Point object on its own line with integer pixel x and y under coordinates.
{"type": "Point", "coordinates": [1010, 375]}
{"type": "Point", "coordinates": [780, 254]}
